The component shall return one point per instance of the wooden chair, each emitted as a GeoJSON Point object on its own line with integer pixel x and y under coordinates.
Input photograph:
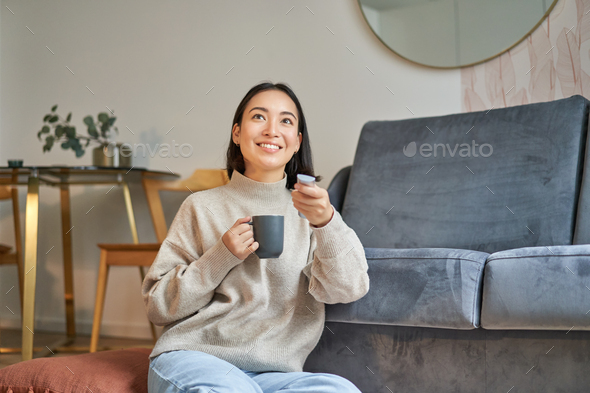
{"type": "Point", "coordinates": [6, 256]}
{"type": "Point", "coordinates": [143, 254]}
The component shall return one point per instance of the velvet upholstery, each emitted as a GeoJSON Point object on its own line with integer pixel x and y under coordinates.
{"type": "Point", "coordinates": [430, 287]}
{"type": "Point", "coordinates": [582, 228]}
{"type": "Point", "coordinates": [537, 288]}
{"type": "Point", "coordinates": [387, 358]}
{"type": "Point", "coordinates": [337, 188]}
{"type": "Point", "coordinates": [530, 197]}
{"type": "Point", "coordinates": [531, 179]}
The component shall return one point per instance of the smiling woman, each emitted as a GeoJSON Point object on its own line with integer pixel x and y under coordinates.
{"type": "Point", "coordinates": [268, 135]}
{"type": "Point", "coordinates": [270, 114]}
{"type": "Point", "coordinates": [224, 307]}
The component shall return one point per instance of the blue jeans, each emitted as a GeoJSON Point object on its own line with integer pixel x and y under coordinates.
{"type": "Point", "coordinates": [200, 372]}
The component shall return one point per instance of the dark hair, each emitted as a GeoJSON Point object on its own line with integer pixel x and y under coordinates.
{"type": "Point", "coordinates": [301, 162]}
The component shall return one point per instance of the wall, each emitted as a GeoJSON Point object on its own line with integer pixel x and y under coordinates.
{"type": "Point", "coordinates": [151, 62]}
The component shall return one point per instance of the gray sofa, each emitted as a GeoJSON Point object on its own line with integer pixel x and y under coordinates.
{"type": "Point", "coordinates": [479, 258]}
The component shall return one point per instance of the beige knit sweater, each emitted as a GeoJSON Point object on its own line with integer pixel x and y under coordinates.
{"type": "Point", "coordinates": [258, 314]}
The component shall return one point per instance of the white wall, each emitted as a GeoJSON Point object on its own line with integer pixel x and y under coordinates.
{"type": "Point", "coordinates": [151, 61]}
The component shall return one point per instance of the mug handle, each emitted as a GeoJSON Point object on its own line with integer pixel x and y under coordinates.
{"type": "Point", "coordinates": [250, 223]}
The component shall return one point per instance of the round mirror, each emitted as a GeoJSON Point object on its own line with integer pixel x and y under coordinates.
{"type": "Point", "coordinates": [453, 33]}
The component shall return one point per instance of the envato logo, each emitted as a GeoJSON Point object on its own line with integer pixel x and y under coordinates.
{"type": "Point", "coordinates": [163, 150]}
{"type": "Point", "coordinates": [465, 149]}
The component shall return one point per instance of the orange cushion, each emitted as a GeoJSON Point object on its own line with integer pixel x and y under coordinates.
{"type": "Point", "coordinates": [124, 370]}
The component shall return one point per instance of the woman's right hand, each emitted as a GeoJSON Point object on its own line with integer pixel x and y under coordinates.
{"type": "Point", "coordinates": [239, 239]}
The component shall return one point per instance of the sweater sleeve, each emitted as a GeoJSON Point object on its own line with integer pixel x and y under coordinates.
{"type": "Point", "coordinates": [179, 281]}
{"type": "Point", "coordinates": [337, 267]}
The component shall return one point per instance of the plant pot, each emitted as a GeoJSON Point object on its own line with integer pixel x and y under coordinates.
{"type": "Point", "coordinates": [110, 155]}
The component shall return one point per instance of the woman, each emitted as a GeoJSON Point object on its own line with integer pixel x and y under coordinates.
{"type": "Point", "coordinates": [235, 322]}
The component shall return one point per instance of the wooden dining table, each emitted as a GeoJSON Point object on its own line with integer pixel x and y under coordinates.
{"type": "Point", "coordinates": [62, 177]}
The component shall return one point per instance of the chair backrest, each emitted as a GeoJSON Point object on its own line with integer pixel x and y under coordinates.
{"type": "Point", "coordinates": [434, 182]}
{"type": "Point", "coordinates": [10, 192]}
{"type": "Point", "coordinates": [201, 179]}
{"type": "Point", "coordinates": [5, 192]}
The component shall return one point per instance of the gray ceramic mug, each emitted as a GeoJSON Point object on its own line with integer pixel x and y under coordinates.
{"type": "Point", "coordinates": [269, 233]}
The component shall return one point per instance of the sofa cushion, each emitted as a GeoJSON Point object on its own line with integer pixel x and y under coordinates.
{"type": "Point", "coordinates": [522, 195]}
{"type": "Point", "coordinates": [436, 287]}
{"type": "Point", "coordinates": [337, 187]}
{"type": "Point", "coordinates": [107, 371]}
{"type": "Point", "coordinates": [544, 288]}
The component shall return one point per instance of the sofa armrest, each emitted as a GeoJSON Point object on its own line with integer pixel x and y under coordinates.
{"type": "Point", "coordinates": [537, 288]}
{"type": "Point", "coordinates": [427, 287]}
{"type": "Point", "coordinates": [337, 187]}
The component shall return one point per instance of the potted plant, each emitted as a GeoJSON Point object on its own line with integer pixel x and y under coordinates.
{"type": "Point", "coordinates": [101, 131]}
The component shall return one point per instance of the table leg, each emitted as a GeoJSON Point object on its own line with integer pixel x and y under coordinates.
{"type": "Point", "coordinates": [130, 215]}
{"type": "Point", "coordinates": [66, 227]}
{"type": "Point", "coordinates": [133, 227]}
{"type": "Point", "coordinates": [31, 232]}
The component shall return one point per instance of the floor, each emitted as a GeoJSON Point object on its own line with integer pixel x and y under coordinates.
{"type": "Point", "coordinates": [11, 338]}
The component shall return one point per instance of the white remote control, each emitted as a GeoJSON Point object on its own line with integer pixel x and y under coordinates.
{"type": "Point", "coordinates": [307, 181]}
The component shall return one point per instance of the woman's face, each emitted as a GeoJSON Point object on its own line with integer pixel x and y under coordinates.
{"type": "Point", "coordinates": [270, 117]}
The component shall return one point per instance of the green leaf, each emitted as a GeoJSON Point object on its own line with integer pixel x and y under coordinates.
{"type": "Point", "coordinates": [87, 142]}
{"type": "Point", "coordinates": [65, 145]}
{"type": "Point", "coordinates": [69, 117]}
{"type": "Point", "coordinates": [53, 119]}
{"type": "Point", "coordinates": [44, 130]}
{"type": "Point", "coordinates": [47, 117]}
{"type": "Point", "coordinates": [49, 142]}
{"type": "Point", "coordinates": [70, 132]}
{"type": "Point", "coordinates": [75, 145]}
{"type": "Point", "coordinates": [104, 127]}
{"type": "Point", "coordinates": [103, 117]}
{"type": "Point", "coordinates": [89, 121]}
{"type": "Point", "coordinates": [92, 131]}
{"type": "Point", "coordinates": [53, 108]}
{"type": "Point", "coordinates": [59, 131]}
{"type": "Point", "coordinates": [112, 121]}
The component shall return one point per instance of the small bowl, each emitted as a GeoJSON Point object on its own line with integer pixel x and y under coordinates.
{"type": "Point", "coordinates": [15, 163]}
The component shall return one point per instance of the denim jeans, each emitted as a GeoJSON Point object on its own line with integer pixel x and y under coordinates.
{"type": "Point", "coordinates": [200, 372]}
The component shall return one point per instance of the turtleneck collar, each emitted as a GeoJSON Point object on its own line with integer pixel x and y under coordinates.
{"type": "Point", "coordinates": [259, 193]}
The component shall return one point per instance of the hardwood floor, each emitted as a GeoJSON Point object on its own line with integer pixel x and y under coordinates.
{"type": "Point", "coordinates": [11, 338]}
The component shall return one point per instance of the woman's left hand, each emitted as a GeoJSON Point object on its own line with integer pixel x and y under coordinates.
{"type": "Point", "coordinates": [314, 203]}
